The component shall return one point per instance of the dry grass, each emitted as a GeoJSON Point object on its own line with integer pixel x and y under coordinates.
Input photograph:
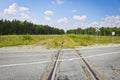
{"type": "Point", "coordinates": [56, 41]}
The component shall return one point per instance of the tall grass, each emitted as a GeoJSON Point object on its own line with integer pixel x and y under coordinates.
{"type": "Point", "coordinates": [56, 41]}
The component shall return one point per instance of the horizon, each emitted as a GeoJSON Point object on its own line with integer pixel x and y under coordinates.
{"type": "Point", "coordinates": [61, 28]}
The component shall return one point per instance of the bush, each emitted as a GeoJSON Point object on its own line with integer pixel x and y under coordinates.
{"type": "Point", "coordinates": [27, 37]}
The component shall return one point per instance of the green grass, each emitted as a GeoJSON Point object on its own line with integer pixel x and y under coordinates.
{"type": "Point", "coordinates": [55, 41]}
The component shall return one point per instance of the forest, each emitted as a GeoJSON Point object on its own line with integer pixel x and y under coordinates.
{"type": "Point", "coordinates": [18, 27]}
{"type": "Point", "coordinates": [8, 27]}
{"type": "Point", "coordinates": [103, 31]}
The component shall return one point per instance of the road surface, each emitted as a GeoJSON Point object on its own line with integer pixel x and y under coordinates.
{"type": "Point", "coordinates": [30, 63]}
{"type": "Point", "coordinates": [17, 63]}
{"type": "Point", "coordinates": [105, 59]}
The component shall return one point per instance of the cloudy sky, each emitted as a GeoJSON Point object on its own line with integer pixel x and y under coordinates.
{"type": "Point", "coordinates": [65, 14]}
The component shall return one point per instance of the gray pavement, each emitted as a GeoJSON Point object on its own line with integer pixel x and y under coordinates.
{"type": "Point", "coordinates": [105, 59]}
{"type": "Point", "coordinates": [29, 63]}
{"type": "Point", "coordinates": [23, 64]}
{"type": "Point", "coordinates": [70, 69]}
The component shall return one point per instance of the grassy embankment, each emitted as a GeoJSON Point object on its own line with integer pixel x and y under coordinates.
{"type": "Point", "coordinates": [55, 41]}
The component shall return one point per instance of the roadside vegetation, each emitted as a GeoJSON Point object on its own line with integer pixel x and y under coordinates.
{"type": "Point", "coordinates": [57, 41]}
{"type": "Point", "coordinates": [15, 32]}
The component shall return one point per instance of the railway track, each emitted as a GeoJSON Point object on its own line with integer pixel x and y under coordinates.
{"type": "Point", "coordinates": [89, 69]}
{"type": "Point", "coordinates": [53, 67]}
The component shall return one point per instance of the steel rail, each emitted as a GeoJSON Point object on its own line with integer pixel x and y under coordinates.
{"type": "Point", "coordinates": [51, 70]}
{"type": "Point", "coordinates": [88, 68]}
{"type": "Point", "coordinates": [54, 69]}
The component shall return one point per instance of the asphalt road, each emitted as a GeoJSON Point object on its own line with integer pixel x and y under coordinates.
{"type": "Point", "coordinates": [106, 60]}
{"type": "Point", "coordinates": [70, 68]}
{"type": "Point", "coordinates": [23, 64]}
{"type": "Point", "coordinates": [29, 63]}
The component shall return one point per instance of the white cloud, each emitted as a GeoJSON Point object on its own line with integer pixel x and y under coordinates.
{"type": "Point", "coordinates": [65, 23]}
{"type": "Point", "coordinates": [81, 18]}
{"type": "Point", "coordinates": [59, 1]}
{"type": "Point", "coordinates": [112, 21]}
{"type": "Point", "coordinates": [23, 9]}
{"type": "Point", "coordinates": [47, 18]}
{"type": "Point", "coordinates": [23, 15]}
{"type": "Point", "coordinates": [12, 9]}
{"type": "Point", "coordinates": [62, 20]}
{"type": "Point", "coordinates": [93, 24]}
{"type": "Point", "coordinates": [48, 13]}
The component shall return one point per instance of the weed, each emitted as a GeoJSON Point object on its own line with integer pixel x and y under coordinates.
{"type": "Point", "coordinates": [56, 41]}
{"type": "Point", "coordinates": [27, 37]}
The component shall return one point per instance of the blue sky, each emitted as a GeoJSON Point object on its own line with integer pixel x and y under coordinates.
{"type": "Point", "coordinates": [66, 14]}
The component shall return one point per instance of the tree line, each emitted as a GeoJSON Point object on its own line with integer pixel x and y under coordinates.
{"type": "Point", "coordinates": [104, 31]}
{"type": "Point", "coordinates": [24, 27]}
